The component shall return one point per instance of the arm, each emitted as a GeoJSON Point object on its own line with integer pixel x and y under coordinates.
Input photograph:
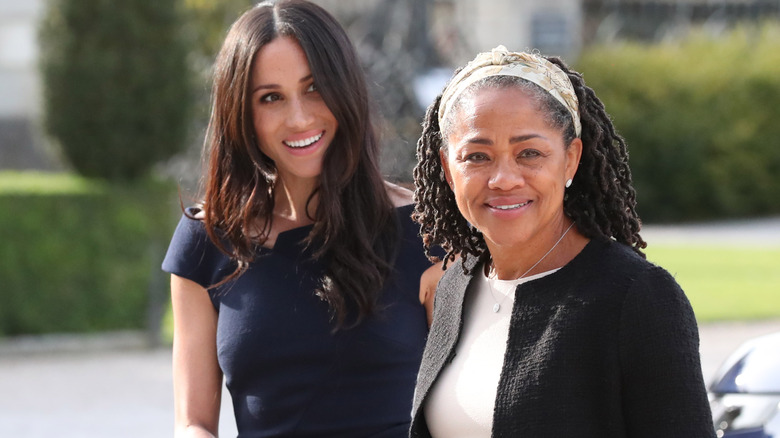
{"type": "Point", "coordinates": [663, 389]}
{"type": "Point", "coordinates": [197, 378]}
{"type": "Point", "coordinates": [428, 282]}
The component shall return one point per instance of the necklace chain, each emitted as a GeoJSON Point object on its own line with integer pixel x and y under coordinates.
{"type": "Point", "coordinates": [492, 273]}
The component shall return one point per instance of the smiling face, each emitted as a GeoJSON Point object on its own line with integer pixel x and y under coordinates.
{"type": "Point", "coordinates": [293, 125]}
{"type": "Point", "coordinates": [508, 168]}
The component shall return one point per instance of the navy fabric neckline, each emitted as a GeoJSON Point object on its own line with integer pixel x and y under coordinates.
{"type": "Point", "coordinates": [287, 237]}
{"type": "Point", "coordinates": [287, 371]}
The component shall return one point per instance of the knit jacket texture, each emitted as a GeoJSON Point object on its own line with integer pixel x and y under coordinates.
{"type": "Point", "coordinates": [605, 347]}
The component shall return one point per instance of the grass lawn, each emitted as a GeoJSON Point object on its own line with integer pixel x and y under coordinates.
{"type": "Point", "coordinates": [722, 282]}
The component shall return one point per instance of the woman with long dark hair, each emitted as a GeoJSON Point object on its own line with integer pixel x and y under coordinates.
{"type": "Point", "coordinates": [298, 276]}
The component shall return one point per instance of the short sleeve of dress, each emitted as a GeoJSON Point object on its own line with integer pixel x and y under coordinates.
{"type": "Point", "coordinates": [193, 256]}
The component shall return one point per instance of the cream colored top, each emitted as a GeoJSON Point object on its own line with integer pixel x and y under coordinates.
{"type": "Point", "coordinates": [461, 401]}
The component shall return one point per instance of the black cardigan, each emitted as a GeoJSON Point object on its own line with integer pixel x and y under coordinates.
{"type": "Point", "coordinates": [605, 347]}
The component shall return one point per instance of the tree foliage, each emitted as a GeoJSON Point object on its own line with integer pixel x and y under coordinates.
{"type": "Point", "coordinates": [117, 84]}
{"type": "Point", "coordinates": [700, 119]}
{"type": "Point", "coordinates": [208, 22]}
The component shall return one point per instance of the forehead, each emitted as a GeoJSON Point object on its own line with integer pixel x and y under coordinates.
{"type": "Point", "coordinates": [282, 58]}
{"type": "Point", "coordinates": [495, 105]}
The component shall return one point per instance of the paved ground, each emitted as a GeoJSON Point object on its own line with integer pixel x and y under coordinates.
{"type": "Point", "coordinates": [99, 392]}
{"type": "Point", "coordinates": [755, 232]}
{"type": "Point", "coordinates": [108, 386]}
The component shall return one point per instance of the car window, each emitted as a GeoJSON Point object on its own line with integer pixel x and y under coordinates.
{"type": "Point", "coordinates": [757, 371]}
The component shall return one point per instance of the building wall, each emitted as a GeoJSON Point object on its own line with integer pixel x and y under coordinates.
{"type": "Point", "coordinates": [461, 28]}
{"type": "Point", "coordinates": [657, 20]}
{"type": "Point", "coordinates": [19, 83]}
{"type": "Point", "coordinates": [553, 27]}
{"type": "Point", "coordinates": [21, 144]}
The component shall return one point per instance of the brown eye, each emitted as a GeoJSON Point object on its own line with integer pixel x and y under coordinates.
{"type": "Point", "coordinates": [530, 153]}
{"type": "Point", "coordinates": [270, 97]}
{"type": "Point", "coordinates": [476, 157]}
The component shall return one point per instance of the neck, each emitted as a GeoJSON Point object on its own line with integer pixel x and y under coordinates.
{"type": "Point", "coordinates": [549, 252]}
{"type": "Point", "coordinates": [291, 198]}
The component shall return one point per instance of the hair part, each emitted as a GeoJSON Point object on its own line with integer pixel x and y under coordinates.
{"type": "Point", "coordinates": [354, 223]}
{"type": "Point", "coordinates": [601, 200]}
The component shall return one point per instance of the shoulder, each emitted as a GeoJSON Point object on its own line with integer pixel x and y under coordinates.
{"type": "Point", "coordinates": [191, 254]}
{"type": "Point", "coordinates": [610, 269]}
{"type": "Point", "coordinates": [650, 295]}
{"type": "Point", "coordinates": [649, 301]}
{"type": "Point", "coordinates": [190, 229]}
{"type": "Point", "coordinates": [399, 196]}
{"type": "Point", "coordinates": [606, 258]}
{"type": "Point", "coordinates": [654, 289]}
{"type": "Point", "coordinates": [644, 274]}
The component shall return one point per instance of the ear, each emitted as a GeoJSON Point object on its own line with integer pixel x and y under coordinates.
{"type": "Point", "coordinates": [445, 164]}
{"type": "Point", "coordinates": [573, 155]}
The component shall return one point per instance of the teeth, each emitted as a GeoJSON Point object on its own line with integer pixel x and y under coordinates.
{"type": "Point", "coordinates": [303, 143]}
{"type": "Point", "coordinates": [509, 207]}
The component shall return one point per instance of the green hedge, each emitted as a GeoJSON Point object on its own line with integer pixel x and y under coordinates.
{"type": "Point", "coordinates": [79, 255]}
{"type": "Point", "coordinates": [702, 121]}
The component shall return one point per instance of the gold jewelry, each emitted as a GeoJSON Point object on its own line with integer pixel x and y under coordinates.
{"type": "Point", "coordinates": [492, 272]}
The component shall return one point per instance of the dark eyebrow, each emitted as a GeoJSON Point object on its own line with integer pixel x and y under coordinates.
{"type": "Point", "coordinates": [488, 142]}
{"type": "Point", "coordinates": [275, 86]}
{"type": "Point", "coordinates": [522, 138]}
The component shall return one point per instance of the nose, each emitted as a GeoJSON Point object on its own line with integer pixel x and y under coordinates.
{"type": "Point", "coordinates": [507, 175]}
{"type": "Point", "coordinates": [299, 115]}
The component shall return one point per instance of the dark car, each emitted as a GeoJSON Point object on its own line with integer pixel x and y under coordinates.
{"type": "Point", "coordinates": [745, 394]}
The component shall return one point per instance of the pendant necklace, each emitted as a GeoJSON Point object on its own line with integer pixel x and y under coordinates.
{"type": "Point", "coordinates": [492, 273]}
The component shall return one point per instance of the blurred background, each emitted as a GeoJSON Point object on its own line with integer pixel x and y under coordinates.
{"type": "Point", "coordinates": [104, 105]}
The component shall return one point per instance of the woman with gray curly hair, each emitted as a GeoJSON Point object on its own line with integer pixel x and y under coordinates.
{"type": "Point", "coordinates": [550, 323]}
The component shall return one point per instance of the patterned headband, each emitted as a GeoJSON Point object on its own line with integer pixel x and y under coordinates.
{"type": "Point", "coordinates": [500, 62]}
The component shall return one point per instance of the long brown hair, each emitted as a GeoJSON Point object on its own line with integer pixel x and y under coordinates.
{"type": "Point", "coordinates": [601, 201]}
{"type": "Point", "coordinates": [354, 224]}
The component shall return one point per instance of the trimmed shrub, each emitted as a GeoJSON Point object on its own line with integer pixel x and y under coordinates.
{"type": "Point", "coordinates": [701, 121]}
{"type": "Point", "coordinates": [117, 87]}
{"type": "Point", "coordinates": [79, 255]}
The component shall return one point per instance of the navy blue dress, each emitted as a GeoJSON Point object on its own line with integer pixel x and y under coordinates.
{"type": "Point", "coordinates": [287, 372]}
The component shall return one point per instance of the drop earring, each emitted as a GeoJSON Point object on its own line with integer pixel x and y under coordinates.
{"type": "Point", "coordinates": [568, 183]}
